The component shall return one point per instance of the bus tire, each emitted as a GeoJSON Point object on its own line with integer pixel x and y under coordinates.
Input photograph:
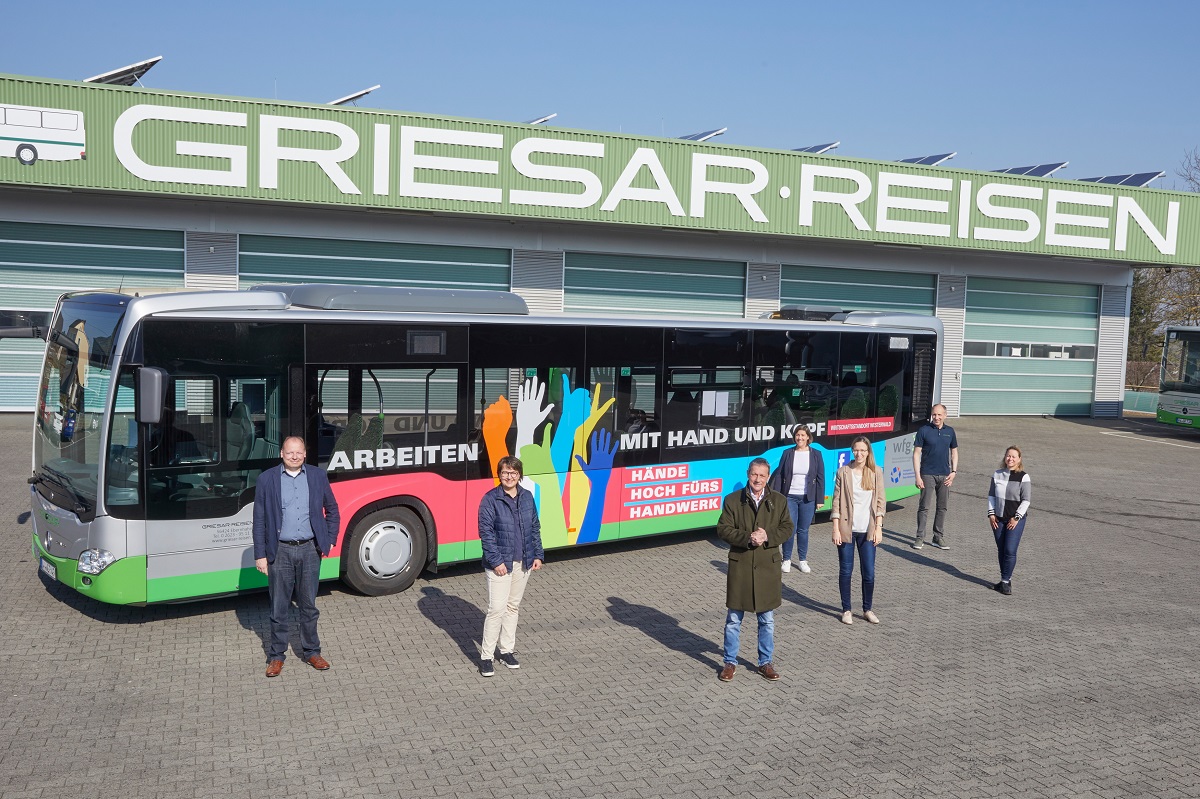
{"type": "Point", "coordinates": [26, 154]}
{"type": "Point", "coordinates": [386, 552]}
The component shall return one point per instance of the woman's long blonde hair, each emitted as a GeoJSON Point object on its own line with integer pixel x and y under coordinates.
{"type": "Point", "coordinates": [868, 478]}
{"type": "Point", "coordinates": [1020, 463]}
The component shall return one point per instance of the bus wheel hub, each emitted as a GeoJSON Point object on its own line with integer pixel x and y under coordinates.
{"type": "Point", "coordinates": [386, 549]}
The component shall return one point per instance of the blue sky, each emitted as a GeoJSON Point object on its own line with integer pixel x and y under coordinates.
{"type": "Point", "coordinates": [1109, 86]}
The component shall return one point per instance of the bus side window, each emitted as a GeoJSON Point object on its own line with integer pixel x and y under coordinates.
{"type": "Point", "coordinates": [706, 392]}
{"type": "Point", "coordinates": [858, 388]}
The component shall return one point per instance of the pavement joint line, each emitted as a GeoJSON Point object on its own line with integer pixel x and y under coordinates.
{"type": "Point", "coordinates": [1136, 437]}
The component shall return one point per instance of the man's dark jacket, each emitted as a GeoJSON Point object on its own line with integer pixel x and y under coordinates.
{"type": "Point", "coordinates": [268, 511]}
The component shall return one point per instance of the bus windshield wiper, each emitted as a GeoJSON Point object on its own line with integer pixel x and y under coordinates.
{"type": "Point", "coordinates": [61, 478]}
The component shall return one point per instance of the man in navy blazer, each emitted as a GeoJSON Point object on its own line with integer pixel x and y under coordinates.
{"type": "Point", "coordinates": [296, 523]}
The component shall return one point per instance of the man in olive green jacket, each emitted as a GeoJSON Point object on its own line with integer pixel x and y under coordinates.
{"type": "Point", "coordinates": [754, 522]}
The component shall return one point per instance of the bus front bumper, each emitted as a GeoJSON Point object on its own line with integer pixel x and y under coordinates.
{"type": "Point", "coordinates": [122, 583]}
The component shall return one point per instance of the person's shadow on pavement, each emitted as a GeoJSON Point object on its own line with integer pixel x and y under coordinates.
{"type": "Point", "coordinates": [458, 618]}
{"type": "Point", "coordinates": [792, 595]}
{"type": "Point", "coordinates": [903, 550]}
{"type": "Point", "coordinates": [666, 630]}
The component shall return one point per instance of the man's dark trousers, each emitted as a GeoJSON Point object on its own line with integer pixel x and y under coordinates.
{"type": "Point", "coordinates": [294, 575]}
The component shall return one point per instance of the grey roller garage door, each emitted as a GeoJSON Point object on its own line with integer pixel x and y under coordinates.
{"type": "Point", "coordinates": [1029, 347]}
{"type": "Point", "coordinates": [39, 262]}
{"type": "Point", "coordinates": [630, 284]}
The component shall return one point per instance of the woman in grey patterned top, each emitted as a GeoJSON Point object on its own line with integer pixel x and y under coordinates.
{"type": "Point", "coordinates": [1009, 494]}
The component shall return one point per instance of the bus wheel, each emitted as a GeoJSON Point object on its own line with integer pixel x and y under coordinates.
{"type": "Point", "coordinates": [386, 552]}
{"type": "Point", "coordinates": [26, 154]}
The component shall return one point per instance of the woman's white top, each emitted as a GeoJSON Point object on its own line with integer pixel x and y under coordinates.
{"type": "Point", "coordinates": [862, 503]}
{"type": "Point", "coordinates": [800, 466]}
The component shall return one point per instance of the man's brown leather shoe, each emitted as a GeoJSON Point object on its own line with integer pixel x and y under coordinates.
{"type": "Point", "coordinates": [274, 667]}
{"type": "Point", "coordinates": [317, 662]}
{"type": "Point", "coordinates": [727, 673]}
{"type": "Point", "coordinates": [768, 670]}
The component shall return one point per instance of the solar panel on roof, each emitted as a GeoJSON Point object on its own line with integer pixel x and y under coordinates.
{"type": "Point", "coordinates": [817, 149]}
{"type": "Point", "coordinates": [1136, 179]}
{"type": "Point", "coordinates": [125, 76]}
{"type": "Point", "coordinates": [352, 97]}
{"type": "Point", "coordinates": [1036, 171]}
{"type": "Point", "coordinates": [704, 135]}
{"type": "Point", "coordinates": [929, 160]}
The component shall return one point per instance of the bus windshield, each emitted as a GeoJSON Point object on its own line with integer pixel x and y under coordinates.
{"type": "Point", "coordinates": [71, 403]}
{"type": "Point", "coordinates": [1181, 361]}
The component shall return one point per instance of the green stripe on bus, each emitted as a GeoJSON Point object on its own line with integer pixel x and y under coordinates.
{"type": "Point", "coordinates": [226, 581]}
{"type": "Point", "coordinates": [43, 141]}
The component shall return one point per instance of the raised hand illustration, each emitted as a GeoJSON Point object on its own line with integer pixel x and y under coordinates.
{"type": "Point", "coordinates": [530, 412]}
{"type": "Point", "coordinates": [540, 469]}
{"type": "Point", "coordinates": [497, 419]}
{"type": "Point", "coordinates": [577, 486]}
{"type": "Point", "coordinates": [581, 411]}
{"type": "Point", "coordinates": [598, 470]}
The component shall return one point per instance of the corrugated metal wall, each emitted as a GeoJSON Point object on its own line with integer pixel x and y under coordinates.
{"type": "Point", "coordinates": [859, 289]}
{"type": "Point", "coordinates": [1030, 347]}
{"type": "Point", "coordinates": [39, 262]}
{"type": "Point", "coordinates": [282, 259]}
{"type": "Point", "coordinates": [637, 284]}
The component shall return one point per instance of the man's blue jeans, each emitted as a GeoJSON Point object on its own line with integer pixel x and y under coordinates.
{"type": "Point", "coordinates": [1007, 542]}
{"type": "Point", "coordinates": [866, 559]}
{"type": "Point", "coordinates": [766, 635]}
{"type": "Point", "coordinates": [294, 575]}
{"type": "Point", "coordinates": [802, 512]}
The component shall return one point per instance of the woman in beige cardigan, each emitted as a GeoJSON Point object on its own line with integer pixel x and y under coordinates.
{"type": "Point", "coordinates": [859, 499]}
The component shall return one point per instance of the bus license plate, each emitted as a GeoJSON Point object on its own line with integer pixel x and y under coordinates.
{"type": "Point", "coordinates": [47, 568]}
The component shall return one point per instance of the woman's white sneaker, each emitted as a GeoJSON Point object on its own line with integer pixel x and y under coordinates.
{"type": "Point", "coordinates": [787, 566]}
{"type": "Point", "coordinates": [804, 567]}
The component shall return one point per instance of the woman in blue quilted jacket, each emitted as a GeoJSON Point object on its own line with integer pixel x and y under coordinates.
{"type": "Point", "coordinates": [511, 535]}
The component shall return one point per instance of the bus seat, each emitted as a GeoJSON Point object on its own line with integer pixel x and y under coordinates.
{"type": "Point", "coordinates": [372, 439]}
{"type": "Point", "coordinates": [855, 406]}
{"type": "Point", "coordinates": [239, 432]}
{"type": "Point", "coordinates": [350, 440]}
{"type": "Point", "coordinates": [263, 449]}
{"type": "Point", "coordinates": [889, 401]}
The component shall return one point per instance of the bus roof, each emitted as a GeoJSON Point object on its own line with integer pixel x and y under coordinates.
{"type": "Point", "coordinates": [335, 302]}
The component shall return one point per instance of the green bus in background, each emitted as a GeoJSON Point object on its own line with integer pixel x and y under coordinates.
{"type": "Point", "coordinates": [1179, 389]}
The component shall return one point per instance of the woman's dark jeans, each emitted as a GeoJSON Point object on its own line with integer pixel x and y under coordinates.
{"type": "Point", "coordinates": [866, 560]}
{"type": "Point", "coordinates": [802, 512]}
{"type": "Point", "coordinates": [1007, 542]}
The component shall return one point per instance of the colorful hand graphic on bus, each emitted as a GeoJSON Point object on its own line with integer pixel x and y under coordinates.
{"type": "Point", "coordinates": [574, 411]}
{"type": "Point", "coordinates": [497, 419]}
{"type": "Point", "coordinates": [530, 412]}
{"type": "Point", "coordinates": [539, 468]}
{"type": "Point", "coordinates": [598, 469]}
{"type": "Point", "coordinates": [578, 487]}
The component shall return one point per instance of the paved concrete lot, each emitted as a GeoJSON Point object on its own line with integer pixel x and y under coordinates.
{"type": "Point", "coordinates": [1085, 682]}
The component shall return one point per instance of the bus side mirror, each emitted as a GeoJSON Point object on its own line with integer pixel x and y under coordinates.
{"type": "Point", "coordinates": [151, 394]}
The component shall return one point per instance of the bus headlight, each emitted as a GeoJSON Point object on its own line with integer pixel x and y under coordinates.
{"type": "Point", "coordinates": [94, 561]}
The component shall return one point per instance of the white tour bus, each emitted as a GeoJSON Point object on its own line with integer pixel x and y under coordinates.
{"type": "Point", "coordinates": [50, 134]}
